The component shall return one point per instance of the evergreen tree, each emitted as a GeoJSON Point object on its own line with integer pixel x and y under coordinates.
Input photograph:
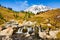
{"type": "Point", "coordinates": [0, 4]}
{"type": "Point", "coordinates": [10, 8]}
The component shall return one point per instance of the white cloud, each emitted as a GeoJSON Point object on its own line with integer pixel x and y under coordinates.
{"type": "Point", "coordinates": [23, 4]}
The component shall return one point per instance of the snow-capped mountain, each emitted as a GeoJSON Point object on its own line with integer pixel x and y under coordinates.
{"type": "Point", "coordinates": [37, 8]}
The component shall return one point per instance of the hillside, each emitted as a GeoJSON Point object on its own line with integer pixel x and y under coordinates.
{"type": "Point", "coordinates": [7, 14]}
{"type": "Point", "coordinates": [52, 16]}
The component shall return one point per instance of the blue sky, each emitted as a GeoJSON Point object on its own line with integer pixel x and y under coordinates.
{"type": "Point", "coordinates": [19, 5]}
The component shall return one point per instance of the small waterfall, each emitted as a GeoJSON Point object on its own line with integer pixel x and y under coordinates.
{"type": "Point", "coordinates": [19, 30]}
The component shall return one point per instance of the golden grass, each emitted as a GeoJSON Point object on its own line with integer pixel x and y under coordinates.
{"type": "Point", "coordinates": [39, 18]}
